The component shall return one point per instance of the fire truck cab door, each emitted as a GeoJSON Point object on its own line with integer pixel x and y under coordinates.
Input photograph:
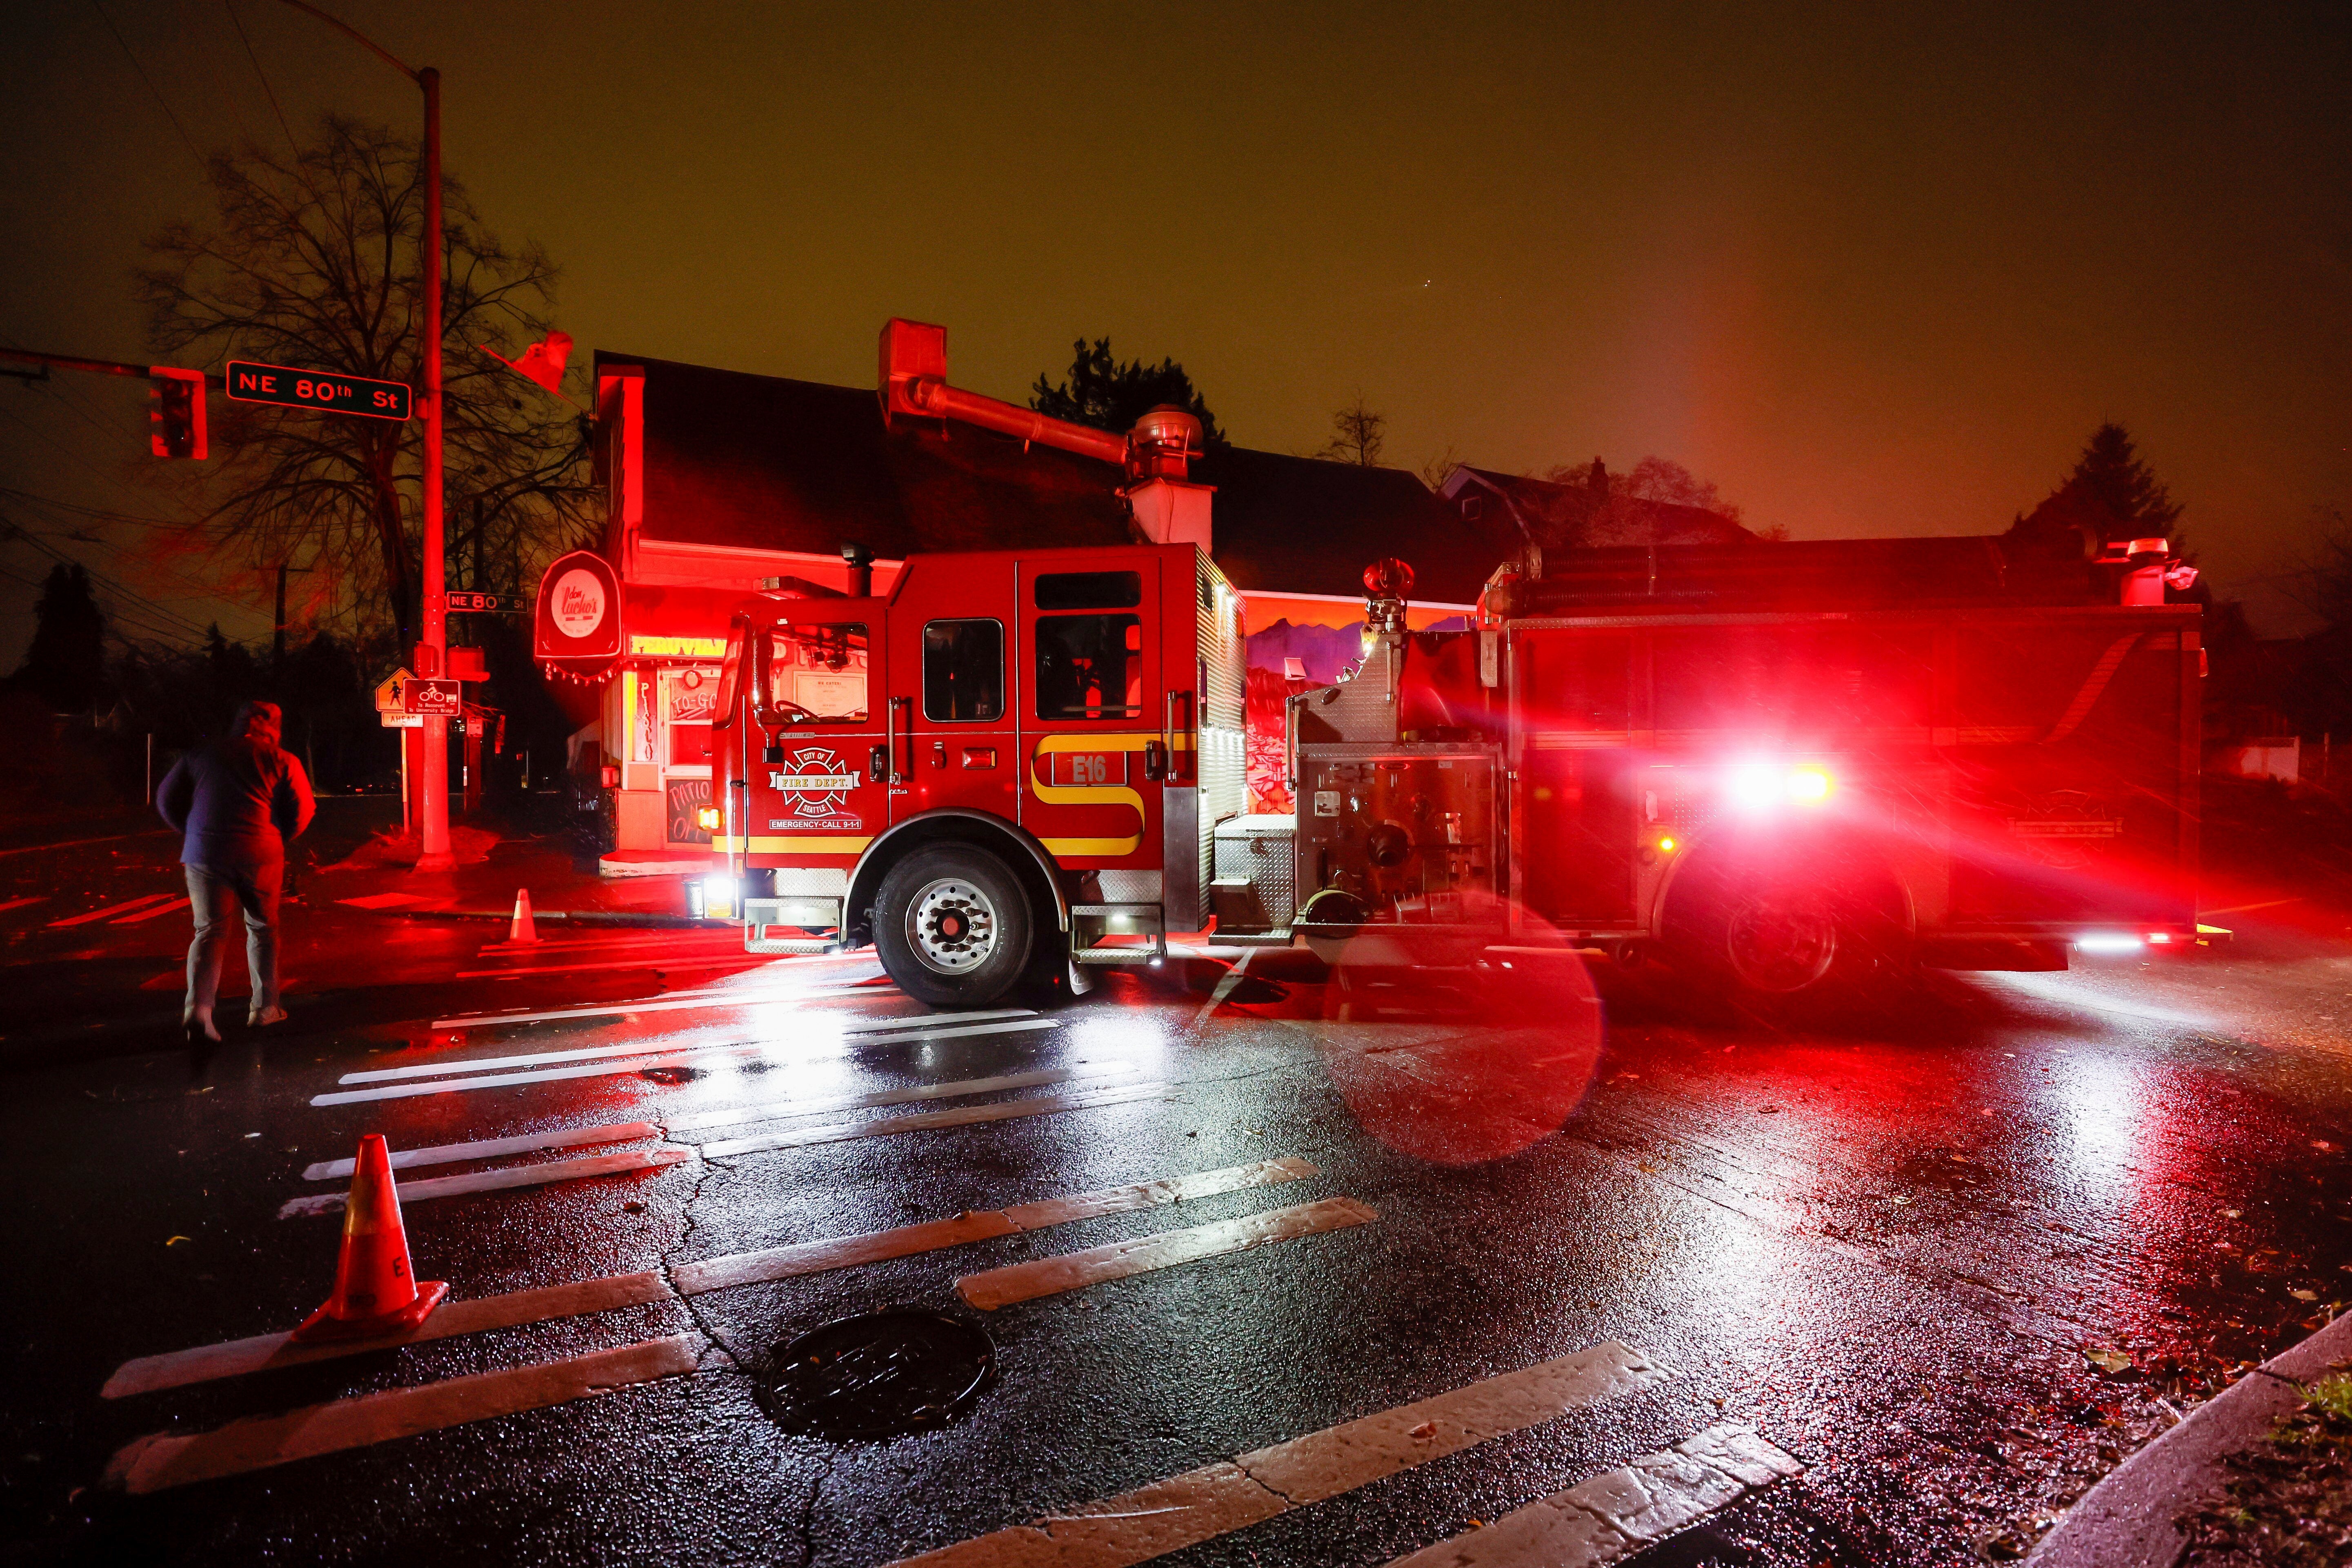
{"type": "Point", "coordinates": [950, 668]}
{"type": "Point", "coordinates": [818, 798]}
{"type": "Point", "coordinates": [1089, 688]}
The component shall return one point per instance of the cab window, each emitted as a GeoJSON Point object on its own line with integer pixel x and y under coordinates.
{"type": "Point", "coordinates": [963, 670]}
{"type": "Point", "coordinates": [816, 674]}
{"type": "Point", "coordinates": [1089, 590]}
{"type": "Point", "coordinates": [1090, 667]}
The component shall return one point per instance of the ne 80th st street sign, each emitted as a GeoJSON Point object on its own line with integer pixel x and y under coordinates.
{"type": "Point", "coordinates": [291, 388]}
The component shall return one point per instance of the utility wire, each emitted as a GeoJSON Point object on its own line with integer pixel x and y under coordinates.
{"type": "Point", "coordinates": [62, 558]}
{"type": "Point", "coordinates": [193, 151]}
{"type": "Point", "coordinates": [230, 6]}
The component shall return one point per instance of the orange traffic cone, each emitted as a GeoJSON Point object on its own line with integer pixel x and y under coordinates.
{"type": "Point", "coordinates": [520, 928]}
{"type": "Point", "coordinates": [374, 1292]}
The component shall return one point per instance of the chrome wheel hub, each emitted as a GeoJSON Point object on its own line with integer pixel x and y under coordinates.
{"type": "Point", "coordinates": [951, 926]}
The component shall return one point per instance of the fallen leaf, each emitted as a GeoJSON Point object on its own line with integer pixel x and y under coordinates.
{"type": "Point", "coordinates": [2323, 1145]}
{"type": "Point", "coordinates": [173, 1241]}
{"type": "Point", "coordinates": [2233, 1213]}
{"type": "Point", "coordinates": [1424, 1432]}
{"type": "Point", "coordinates": [1899, 1200]}
{"type": "Point", "coordinates": [2304, 1295]}
{"type": "Point", "coordinates": [2108, 1359]}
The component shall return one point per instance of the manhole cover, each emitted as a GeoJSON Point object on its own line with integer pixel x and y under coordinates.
{"type": "Point", "coordinates": [669, 1075]}
{"type": "Point", "coordinates": [879, 1376]}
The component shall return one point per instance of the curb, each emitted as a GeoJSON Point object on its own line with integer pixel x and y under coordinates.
{"type": "Point", "coordinates": [2127, 1520]}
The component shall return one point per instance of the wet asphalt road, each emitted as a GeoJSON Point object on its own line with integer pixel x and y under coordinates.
{"type": "Point", "coordinates": [1895, 1249]}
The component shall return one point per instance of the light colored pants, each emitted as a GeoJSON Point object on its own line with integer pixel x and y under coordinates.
{"type": "Point", "coordinates": [211, 896]}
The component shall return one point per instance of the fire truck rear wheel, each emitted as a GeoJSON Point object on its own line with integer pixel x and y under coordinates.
{"type": "Point", "coordinates": [1781, 937]}
{"type": "Point", "coordinates": [953, 926]}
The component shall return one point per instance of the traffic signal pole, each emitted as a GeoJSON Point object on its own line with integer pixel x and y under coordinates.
{"type": "Point", "coordinates": [433, 833]}
{"type": "Point", "coordinates": [432, 801]}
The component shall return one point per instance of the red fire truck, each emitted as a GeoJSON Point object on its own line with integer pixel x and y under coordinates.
{"type": "Point", "coordinates": [1790, 768]}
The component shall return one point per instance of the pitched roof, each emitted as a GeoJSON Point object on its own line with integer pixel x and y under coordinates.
{"type": "Point", "coordinates": [1556, 515]}
{"type": "Point", "coordinates": [767, 462]}
{"type": "Point", "coordinates": [1307, 525]}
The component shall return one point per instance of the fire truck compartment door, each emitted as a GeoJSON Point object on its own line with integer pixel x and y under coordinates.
{"type": "Point", "coordinates": [825, 683]}
{"type": "Point", "coordinates": [1090, 692]}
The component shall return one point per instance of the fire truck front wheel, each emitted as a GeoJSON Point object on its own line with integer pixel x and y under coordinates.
{"type": "Point", "coordinates": [954, 926]}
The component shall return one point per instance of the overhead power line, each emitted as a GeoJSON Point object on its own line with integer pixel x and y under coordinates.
{"type": "Point", "coordinates": [193, 151]}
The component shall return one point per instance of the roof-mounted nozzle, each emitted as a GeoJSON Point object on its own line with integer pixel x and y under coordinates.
{"type": "Point", "coordinates": [1386, 582]}
{"type": "Point", "coordinates": [2149, 568]}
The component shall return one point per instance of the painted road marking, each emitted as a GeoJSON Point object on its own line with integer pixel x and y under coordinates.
{"type": "Point", "coordinates": [846, 1251]}
{"type": "Point", "coordinates": [385, 901]}
{"type": "Point", "coordinates": [856, 1025]}
{"type": "Point", "coordinates": [666, 961]}
{"type": "Point", "coordinates": [772, 1110]}
{"type": "Point", "coordinates": [102, 914]}
{"type": "Point", "coordinates": [1217, 1500]}
{"type": "Point", "coordinates": [954, 1089]}
{"type": "Point", "coordinates": [133, 919]}
{"type": "Point", "coordinates": [1226, 984]}
{"type": "Point", "coordinates": [2249, 909]}
{"type": "Point", "coordinates": [1612, 1516]}
{"type": "Point", "coordinates": [925, 1120]}
{"type": "Point", "coordinates": [670, 1002]}
{"type": "Point", "coordinates": [161, 1460]}
{"type": "Point", "coordinates": [78, 843]}
{"type": "Point", "coordinates": [490, 1148]}
{"type": "Point", "coordinates": [20, 903]}
{"type": "Point", "coordinates": [1149, 1254]}
{"type": "Point", "coordinates": [206, 1364]}
{"type": "Point", "coordinates": [538, 1175]}
{"type": "Point", "coordinates": [673, 1057]}
{"type": "Point", "coordinates": [266, 1353]}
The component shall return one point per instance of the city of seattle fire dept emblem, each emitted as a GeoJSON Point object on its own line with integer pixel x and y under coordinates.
{"type": "Point", "coordinates": [814, 782]}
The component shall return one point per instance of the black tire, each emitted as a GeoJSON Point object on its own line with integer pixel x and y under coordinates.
{"type": "Point", "coordinates": [954, 926]}
{"type": "Point", "coordinates": [1788, 935]}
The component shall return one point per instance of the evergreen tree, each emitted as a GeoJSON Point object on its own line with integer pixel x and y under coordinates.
{"type": "Point", "coordinates": [1109, 396]}
{"type": "Point", "coordinates": [2112, 494]}
{"type": "Point", "coordinates": [66, 666]}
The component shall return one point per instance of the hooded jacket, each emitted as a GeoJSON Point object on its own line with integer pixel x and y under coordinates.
{"type": "Point", "coordinates": [238, 802]}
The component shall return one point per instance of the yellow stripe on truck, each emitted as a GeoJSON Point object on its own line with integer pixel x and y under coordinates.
{"type": "Point", "coordinates": [1091, 794]}
{"type": "Point", "coordinates": [799, 844]}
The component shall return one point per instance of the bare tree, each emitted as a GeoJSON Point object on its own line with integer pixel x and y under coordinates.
{"type": "Point", "coordinates": [1440, 469]}
{"type": "Point", "coordinates": [1358, 435]}
{"type": "Point", "coordinates": [312, 262]}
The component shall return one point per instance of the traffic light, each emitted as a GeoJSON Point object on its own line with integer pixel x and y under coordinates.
{"type": "Point", "coordinates": [178, 415]}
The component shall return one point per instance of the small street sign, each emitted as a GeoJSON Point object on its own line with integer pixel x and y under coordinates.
{"type": "Point", "coordinates": [291, 388]}
{"type": "Point", "coordinates": [401, 720]}
{"type": "Point", "coordinates": [387, 691]}
{"type": "Point", "coordinates": [433, 699]}
{"type": "Point", "coordinates": [461, 602]}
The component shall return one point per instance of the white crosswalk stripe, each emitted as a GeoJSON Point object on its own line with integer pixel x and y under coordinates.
{"type": "Point", "coordinates": [674, 1057]}
{"type": "Point", "coordinates": [1615, 1515]}
{"type": "Point", "coordinates": [1219, 1499]}
{"type": "Point", "coordinates": [445, 1067]}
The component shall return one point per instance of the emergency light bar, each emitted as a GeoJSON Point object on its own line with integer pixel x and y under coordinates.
{"type": "Point", "coordinates": [1758, 787]}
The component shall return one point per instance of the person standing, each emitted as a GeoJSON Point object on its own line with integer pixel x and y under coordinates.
{"type": "Point", "coordinates": [238, 804]}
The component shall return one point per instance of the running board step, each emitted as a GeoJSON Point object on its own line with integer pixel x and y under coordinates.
{"type": "Point", "coordinates": [791, 947]}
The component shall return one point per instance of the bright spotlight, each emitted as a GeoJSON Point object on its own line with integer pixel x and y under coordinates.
{"type": "Point", "coordinates": [2108, 943]}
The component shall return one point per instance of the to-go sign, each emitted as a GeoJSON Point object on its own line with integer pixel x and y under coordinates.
{"type": "Point", "coordinates": [291, 388]}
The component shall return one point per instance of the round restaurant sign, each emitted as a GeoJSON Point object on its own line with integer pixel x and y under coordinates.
{"type": "Point", "coordinates": [579, 602]}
